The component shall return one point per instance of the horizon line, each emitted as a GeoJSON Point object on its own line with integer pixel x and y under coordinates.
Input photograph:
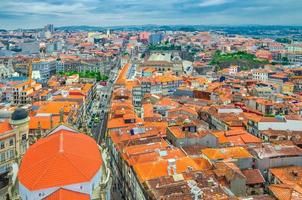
{"type": "Point", "coordinates": [135, 25]}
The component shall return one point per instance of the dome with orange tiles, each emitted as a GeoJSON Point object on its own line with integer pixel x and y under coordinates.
{"type": "Point", "coordinates": [63, 158]}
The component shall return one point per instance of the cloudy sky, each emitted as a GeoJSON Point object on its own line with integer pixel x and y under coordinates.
{"type": "Point", "coordinates": [37, 13]}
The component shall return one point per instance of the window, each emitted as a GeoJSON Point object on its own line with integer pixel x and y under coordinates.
{"type": "Point", "coordinates": [2, 145]}
{"type": "Point", "coordinates": [11, 142]}
{"type": "Point", "coordinates": [3, 169]}
{"type": "Point", "coordinates": [2, 157]}
{"type": "Point", "coordinates": [23, 137]}
{"type": "Point", "coordinates": [11, 153]}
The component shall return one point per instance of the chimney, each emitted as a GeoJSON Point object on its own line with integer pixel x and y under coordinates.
{"type": "Point", "coordinates": [39, 125]}
{"type": "Point", "coordinates": [51, 122]}
{"type": "Point", "coordinates": [39, 129]}
{"type": "Point", "coordinates": [61, 115]}
{"type": "Point", "coordinates": [295, 173]}
{"type": "Point", "coordinates": [171, 166]}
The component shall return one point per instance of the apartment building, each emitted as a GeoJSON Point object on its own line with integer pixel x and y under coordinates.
{"type": "Point", "coordinates": [158, 85]}
{"type": "Point", "coordinates": [21, 93]}
{"type": "Point", "coordinates": [13, 142]}
{"type": "Point", "coordinates": [45, 67]}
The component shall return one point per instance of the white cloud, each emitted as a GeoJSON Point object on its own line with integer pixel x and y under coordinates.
{"type": "Point", "coordinates": [47, 8]}
{"type": "Point", "coordinates": [35, 13]}
{"type": "Point", "coordinates": [206, 3]}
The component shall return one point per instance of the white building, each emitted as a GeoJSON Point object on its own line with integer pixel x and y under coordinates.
{"type": "Point", "coordinates": [260, 75]}
{"type": "Point", "coordinates": [5, 72]}
{"type": "Point", "coordinates": [46, 68]}
{"type": "Point", "coordinates": [291, 123]}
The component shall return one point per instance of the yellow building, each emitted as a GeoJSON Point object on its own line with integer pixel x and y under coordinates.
{"type": "Point", "coordinates": [13, 140]}
{"type": "Point", "coordinates": [288, 88]}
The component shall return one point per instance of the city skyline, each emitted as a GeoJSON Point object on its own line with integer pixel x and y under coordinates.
{"type": "Point", "coordinates": [36, 13]}
{"type": "Point", "coordinates": [146, 100]}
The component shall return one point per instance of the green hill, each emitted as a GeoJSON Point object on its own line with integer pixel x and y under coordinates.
{"type": "Point", "coordinates": [244, 60]}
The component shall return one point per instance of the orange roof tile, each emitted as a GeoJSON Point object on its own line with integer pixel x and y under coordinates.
{"type": "Point", "coordinates": [222, 139]}
{"type": "Point", "coordinates": [122, 76]}
{"type": "Point", "coordinates": [63, 194]}
{"type": "Point", "coordinates": [62, 158]}
{"type": "Point", "coordinates": [236, 140]}
{"type": "Point", "coordinates": [286, 192]}
{"type": "Point", "coordinates": [54, 107]}
{"type": "Point", "coordinates": [167, 102]}
{"type": "Point", "coordinates": [128, 116]}
{"type": "Point", "coordinates": [148, 110]}
{"type": "Point", "coordinates": [291, 175]}
{"type": "Point", "coordinates": [129, 84]}
{"type": "Point", "coordinates": [249, 138]}
{"type": "Point", "coordinates": [45, 122]}
{"type": "Point", "coordinates": [154, 155]}
{"type": "Point", "coordinates": [226, 153]}
{"type": "Point", "coordinates": [126, 136]}
{"type": "Point", "coordinates": [162, 124]}
{"type": "Point", "coordinates": [117, 123]}
{"type": "Point", "coordinates": [253, 176]}
{"type": "Point", "coordinates": [179, 133]}
{"type": "Point", "coordinates": [5, 126]}
{"type": "Point", "coordinates": [137, 149]}
{"type": "Point", "coordinates": [237, 136]}
{"type": "Point", "coordinates": [151, 170]}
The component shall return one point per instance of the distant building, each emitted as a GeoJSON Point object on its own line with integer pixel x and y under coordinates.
{"type": "Point", "coordinates": [288, 123]}
{"type": "Point", "coordinates": [188, 135]}
{"type": "Point", "coordinates": [30, 47]}
{"type": "Point", "coordinates": [294, 58]}
{"type": "Point", "coordinates": [49, 27]}
{"type": "Point", "coordinates": [156, 38]}
{"type": "Point", "coordinates": [5, 72]}
{"type": "Point", "coordinates": [270, 156]}
{"type": "Point", "coordinates": [240, 156]}
{"type": "Point", "coordinates": [260, 75]}
{"type": "Point", "coordinates": [46, 67]}
{"type": "Point", "coordinates": [263, 54]}
{"type": "Point", "coordinates": [20, 94]}
{"type": "Point", "coordinates": [144, 36]}
{"type": "Point", "coordinates": [50, 47]}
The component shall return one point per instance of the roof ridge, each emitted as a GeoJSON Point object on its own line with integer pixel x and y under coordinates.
{"type": "Point", "coordinates": [76, 135]}
{"type": "Point", "coordinates": [75, 166]}
{"type": "Point", "coordinates": [61, 190]}
{"type": "Point", "coordinates": [46, 169]}
{"type": "Point", "coordinates": [61, 147]}
{"type": "Point", "coordinates": [54, 155]}
{"type": "Point", "coordinates": [90, 158]}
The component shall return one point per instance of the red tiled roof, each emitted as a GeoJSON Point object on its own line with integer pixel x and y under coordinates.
{"type": "Point", "coordinates": [62, 158]}
{"type": "Point", "coordinates": [4, 127]}
{"type": "Point", "coordinates": [286, 192]}
{"type": "Point", "coordinates": [253, 176]}
{"type": "Point", "coordinates": [63, 194]}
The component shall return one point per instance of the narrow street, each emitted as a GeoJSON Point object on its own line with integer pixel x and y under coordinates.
{"type": "Point", "coordinates": [99, 130]}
